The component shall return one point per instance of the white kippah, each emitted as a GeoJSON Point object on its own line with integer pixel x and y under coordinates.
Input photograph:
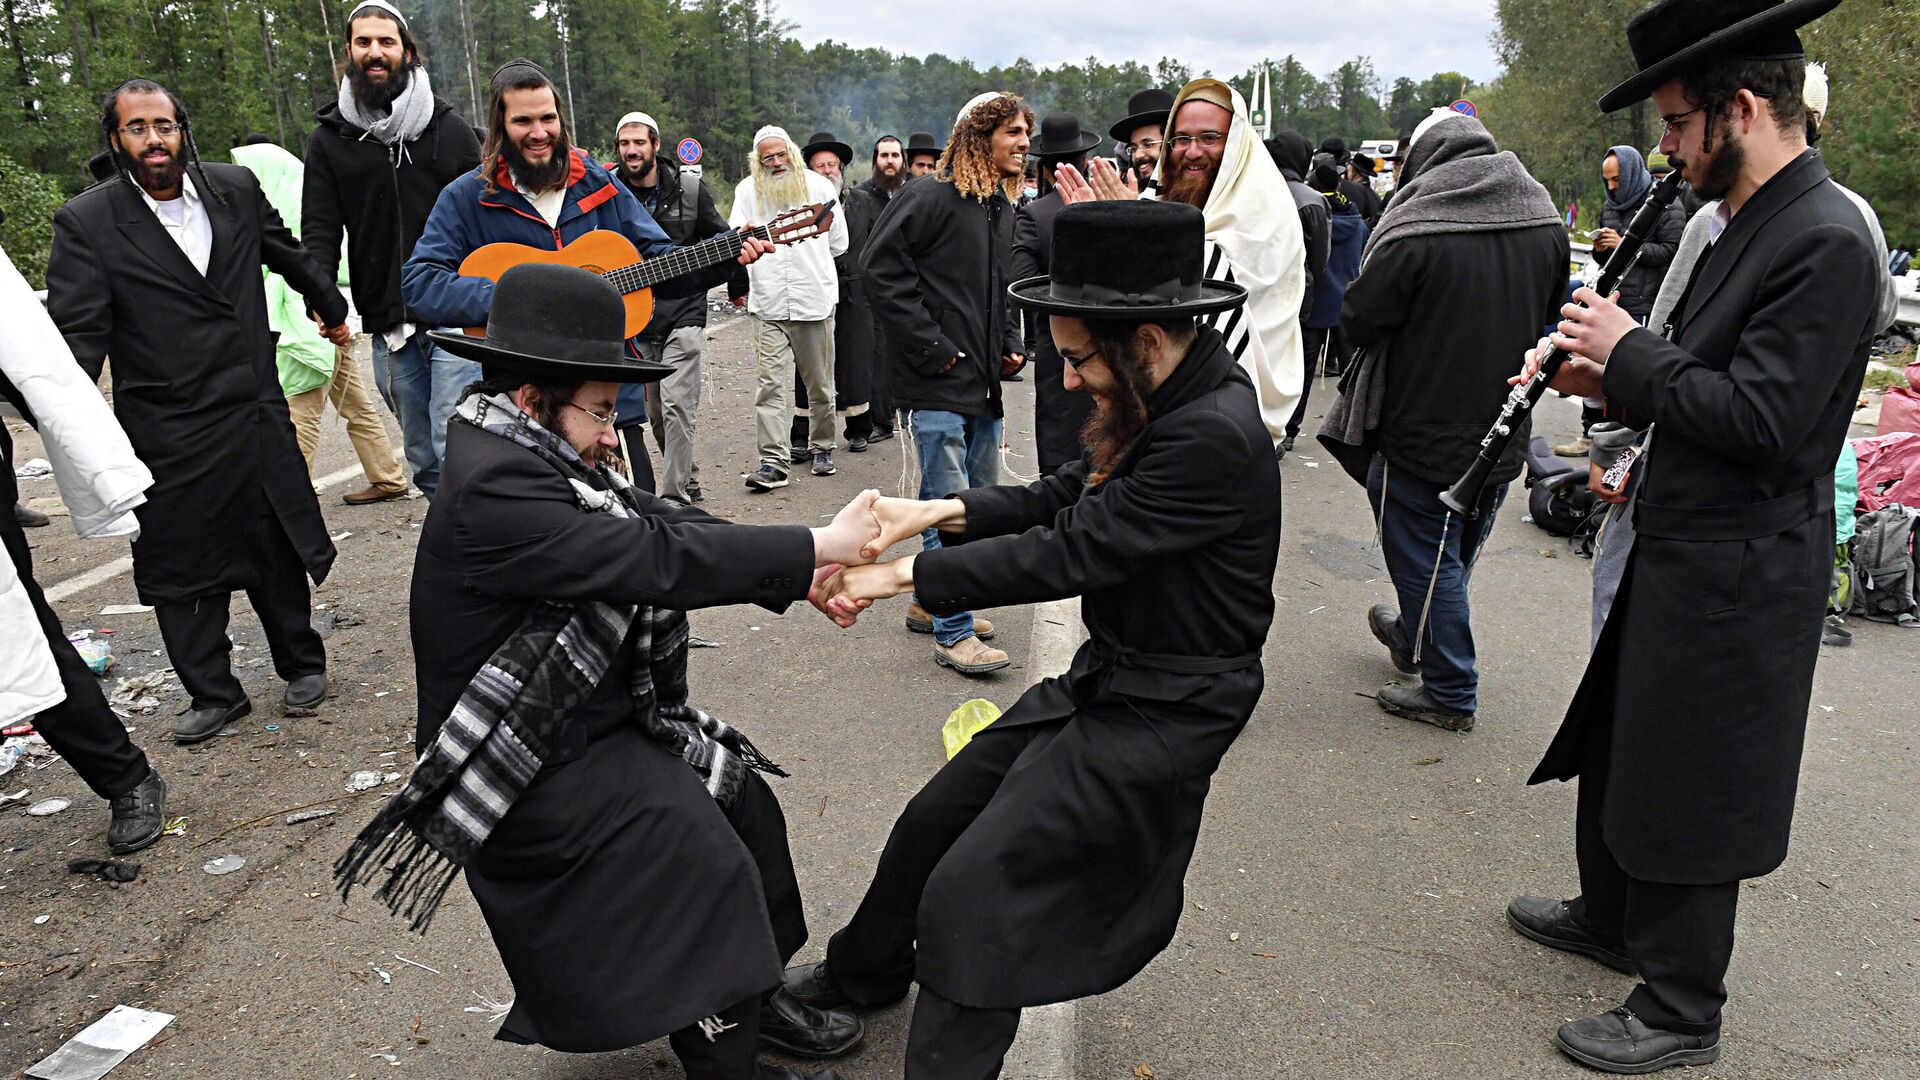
{"type": "Point", "coordinates": [637, 118]}
{"type": "Point", "coordinates": [1436, 116]}
{"type": "Point", "coordinates": [383, 6]}
{"type": "Point", "coordinates": [1815, 93]}
{"type": "Point", "coordinates": [978, 100]}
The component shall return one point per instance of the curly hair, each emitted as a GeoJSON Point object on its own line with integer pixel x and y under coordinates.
{"type": "Point", "coordinates": [967, 162]}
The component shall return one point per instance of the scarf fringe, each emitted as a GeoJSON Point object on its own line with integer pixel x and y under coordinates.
{"type": "Point", "coordinates": [418, 875]}
{"type": "Point", "coordinates": [751, 757]}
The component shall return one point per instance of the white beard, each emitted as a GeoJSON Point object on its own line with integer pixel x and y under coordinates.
{"type": "Point", "coordinates": [778, 194]}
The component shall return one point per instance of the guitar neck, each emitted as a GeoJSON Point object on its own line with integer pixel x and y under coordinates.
{"type": "Point", "coordinates": [683, 260]}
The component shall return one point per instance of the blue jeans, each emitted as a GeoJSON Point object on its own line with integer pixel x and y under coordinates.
{"type": "Point", "coordinates": [956, 453]}
{"type": "Point", "coordinates": [421, 384]}
{"type": "Point", "coordinates": [1412, 521]}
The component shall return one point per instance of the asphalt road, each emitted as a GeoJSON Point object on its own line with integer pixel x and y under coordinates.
{"type": "Point", "coordinates": [1344, 907]}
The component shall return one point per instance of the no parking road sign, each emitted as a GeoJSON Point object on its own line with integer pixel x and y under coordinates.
{"type": "Point", "coordinates": [688, 151]}
{"type": "Point", "coordinates": [1465, 107]}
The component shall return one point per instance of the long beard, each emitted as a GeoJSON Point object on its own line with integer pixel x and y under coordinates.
{"type": "Point", "coordinates": [779, 193]}
{"type": "Point", "coordinates": [537, 178]}
{"type": "Point", "coordinates": [1191, 188]}
{"type": "Point", "coordinates": [1722, 169]}
{"type": "Point", "coordinates": [890, 183]}
{"type": "Point", "coordinates": [377, 97]}
{"type": "Point", "coordinates": [151, 177]}
{"type": "Point", "coordinates": [1119, 414]}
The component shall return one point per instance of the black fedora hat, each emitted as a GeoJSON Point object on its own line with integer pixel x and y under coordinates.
{"type": "Point", "coordinates": [1673, 35]}
{"type": "Point", "coordinates": [1144, 107]}
{"type": "Point", "coordinates": [923, 142]}
{"type": "Point", "coordinates": [824, 140]}
{"type": "Point", "coordinates": [1062, 136]}
{"type": "Point", "coordinates": [1127, 259]}
{"type": "Point", "coordinates": [554, 322]}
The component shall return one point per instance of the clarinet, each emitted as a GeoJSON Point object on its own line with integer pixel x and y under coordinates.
{"type": "Point", "coordinates": [1464, 496]}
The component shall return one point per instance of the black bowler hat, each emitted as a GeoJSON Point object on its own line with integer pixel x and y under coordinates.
{"type": "Point", "coordinates": [1062, 136]}
{"type": "Point", "coordinates": [1127, 259]}
{"type": "Point", "coordinates": [554, 322]}
{"type": "Point", "coordinates": [922, 142]}
{"type": "Point", "coordinates": [1144, 107]}
{"type": "Point", "coordinates": [1673, 35]}
{"type": "Point", "coordinates": [824, 140]}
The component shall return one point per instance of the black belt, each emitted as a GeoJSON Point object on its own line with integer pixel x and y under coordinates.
{"type": "Point", "coordinates": [1747, 521]}
{"type": "Point", "coordinates": [1105, 655]}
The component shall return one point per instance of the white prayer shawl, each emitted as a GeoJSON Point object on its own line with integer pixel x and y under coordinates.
{"type": "Point", "coordinates": [100, 479]}
{"type": "Point", "coordinates": [1254, 239]}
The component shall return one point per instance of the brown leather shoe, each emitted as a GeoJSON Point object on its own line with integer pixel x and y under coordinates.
{"type": "Point", "coordinates": [970, 656]}
{"type": "Point", "coordinates": [920, 622]}
{"type": "Point", "coordinates": [374, 494]}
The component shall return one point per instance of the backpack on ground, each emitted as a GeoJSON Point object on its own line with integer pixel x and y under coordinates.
{"type": "Point", "coordinates": [1883, 565]}
{"type": "Point", "coordinates": [1558, 499]}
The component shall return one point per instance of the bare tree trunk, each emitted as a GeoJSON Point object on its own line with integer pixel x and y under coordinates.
{"type": "Point", "coordinates": [472, 50]}
{"type": "Point", "coordinates": [20, 58]}
{"type": "Point", "coordinates": [326, 23]}
{"type": "Point", "coordinates": [564, 23]}
{"type": "Point", "coordinates": [273, 78]}
{"type": "Point", "coordinates": [79, 47]}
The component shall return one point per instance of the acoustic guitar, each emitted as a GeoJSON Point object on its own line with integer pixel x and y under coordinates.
{"type": "Point", "coordinates": [614, 257]}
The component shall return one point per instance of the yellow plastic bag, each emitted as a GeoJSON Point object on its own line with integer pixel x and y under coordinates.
{"type": "Point", "coordinates": [965, 722]}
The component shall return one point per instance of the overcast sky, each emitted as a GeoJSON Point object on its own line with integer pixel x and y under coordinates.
{"type": "Point", "coordinates": [1229, 36]}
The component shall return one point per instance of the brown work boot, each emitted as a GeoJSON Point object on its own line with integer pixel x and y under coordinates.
{"type": "Point", "coordinates": [920, 622]}
{"type": "Point", "coordinates": [374, 494]}
{"type": "Point", "coordinates": [970, 656]}
{"type": "Point", "coordinates": [1576, 448]}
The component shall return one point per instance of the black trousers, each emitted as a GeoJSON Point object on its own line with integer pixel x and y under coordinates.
{"type": "Point", "coordinates": [1316, 345]}
{"type": "Point", "coordinates": [872, 957]}
{"type": "Point", "coordinates": [81, 729]}
{"type": "Point", "coordinates": [195, 631]}
{"type": "Point", "coordinates": [1680, 936]}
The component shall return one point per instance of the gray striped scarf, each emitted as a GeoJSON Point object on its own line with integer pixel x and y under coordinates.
{"type": "Point", "coordinates": [501, 731]}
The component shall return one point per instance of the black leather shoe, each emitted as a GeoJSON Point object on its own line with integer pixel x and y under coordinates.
{"type": "Point", "coordinates": [856, 445]}
{"type": "Point", "coordinates": [807, 1031]}
{"type": "Point", "coordinates": [304, 695]}
{"type": "Point", "coordinates": [1414, 703]}
{"type": "Point", "coordinates": [138, 816]}
{"type": "Point", "coordinates": [764, 1071]}
{"type": "Point", "coordinates": [880, 434]}
{"type": "Point", "coordinates": [1551, 923]}
{"type": "Point", "coordinates": [199, 725]}
{"type": "Point", "coordinates": [810, 984]}
{"type": "Point", "coordinates": [1382, 619]}
{"type": "Point", "coordinates": [1617, 1041]}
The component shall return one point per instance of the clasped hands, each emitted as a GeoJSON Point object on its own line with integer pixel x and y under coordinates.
{"type": "Point", "coordinates": [848, 580]}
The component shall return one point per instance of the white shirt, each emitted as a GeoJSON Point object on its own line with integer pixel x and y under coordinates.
{"type": "Point", "coordinates": [547, 203]}
{"type": "Point", "coordinates": [797, 282]}
{"type": "Point", "coordinates": [185, 219]}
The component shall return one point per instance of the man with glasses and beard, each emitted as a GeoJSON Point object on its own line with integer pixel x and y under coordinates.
{"type": "Point", "coordinates": [534, 187]}
{"type": "Point", "coordinates": [889, 173]}
{"type": "Point", "coordinates": [377, 161]}
{"type": "Point", "coordinates": [1141, 136]}
{"type": "Point", "coordinates": [159, 266]}
{"type": "Point", "coordinates": [1044, 862]}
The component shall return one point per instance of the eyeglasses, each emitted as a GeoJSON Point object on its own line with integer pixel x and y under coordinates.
{"type": "Point", "coordinates": [1145, 144]}
{"type": "Point", "coordinates": [603, 421]}
{"type": "Point", "coordinates": [1209, 140]}
{"type": "Point", "coordinates": [138, 130]}
{"type": "Point", "coordinates": [775, 158]}
{"type": "Point", "coordinates": [1075, 361]}
{"type": "Point", "coordinates": [1672, 123]}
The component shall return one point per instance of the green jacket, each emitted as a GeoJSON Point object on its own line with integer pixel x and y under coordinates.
{"type": "Point", "coordinates": [305, 358]}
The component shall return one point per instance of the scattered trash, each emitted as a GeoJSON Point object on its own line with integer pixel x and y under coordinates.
{"type": "Point", "coordinates": [47, 807]}
{"type": "Point", "coordinates": [1428, 761]}
{"type": "Point", "coordinates": [100, 1046]}
{"type": "Point", "coordinates": [390, 778]}
{"type": "Point", "coordinates": [127, 609]}
{"type": "Point", "coordinates": [11, 731]}
{"type": "Point", "coordinates": [384, 977]}
{"type": "Point", "coordinates": [364, 780]}
{"type": "Point", "coordinates": [137, 695]}
{"type": "Point", "coordinates": [341, 535]}
{"type": "Point", "coordinates": [1235, 936]}
{"type": "Point", "coordinates": [1311, 464]}
{"type": "Point", "coordinates": [176, 827]}
{"type": "Point", "coordinates": [310, 815]}
{"type": "Point", "coordinates": [495, 1011]}
{"type": "Point", "coordinates": [415, 963]}
{"type": "Point", "coordinates": [97, 654]}
{"type": "Point", "coordinates": [1143, 1071]}
{"type": "Point", "coordinates": [965, 722]}
{"type": "Point", "coordinates": [1318, 610]}
{"type": "Point", "coordinates": [342, 619]}
{"type": "Point", "coordinates": [225, 864]}
{"type": "Point", "coordinates": [33, 469]}
{"type": "Point", "coordinates": [41, 920]}
{"type": "Point", "coordinates": [272, 727]}
{"type": "Point", "coordinates": [10, 755]}
{"type": "Point", "coordinates": [107, 869]}
{"type": "Point", "coordinates": [18, 796]}
{"type": "Point", "coordinates": [391, 1059]}
{"type": "Point", "coordinates": [695, 641]}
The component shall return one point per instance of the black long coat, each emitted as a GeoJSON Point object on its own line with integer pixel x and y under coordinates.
{"type": "Point", "coordinates": [623, 904]}
{"type": "Point", "coordinates": [1705, 666]}
{"type": "Point", "coordinates": [194, 380]}
{"type": "Point", "coordinates": [853, 315]}
{"type": "Point", "coordinates": [1070, 880]}
{"type": "Point", "coordinates": [1058, 413]}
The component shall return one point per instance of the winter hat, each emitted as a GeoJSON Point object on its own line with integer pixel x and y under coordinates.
{"type": "Point", "coordinates": [1815, 93]}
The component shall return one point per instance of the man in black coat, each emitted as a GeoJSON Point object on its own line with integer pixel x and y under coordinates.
{"type": "Point", "coordinates": [1335, 152]}
{"type": "Point", "coordinates": [682, 205]}
{"type": "Point", "coordinates": [1058, 414]}
{"type": "Point", "coordinates": [376, 162]}
{"type": "Point", "coordinates": [877, 191]}
{"type": "Point", "coordinates": [1472, 258]}
{"type": "Point", "coordinates": [160, 267]}
{"type": "Point", "coordinates": [937, 266]}
{"type": "Point", "coordinates": [853, 356]}
{"type": "Point", "coordinates": [1045, 861]}
{"type": "Point", "coordinates": [1293, 154]}
{"type": "Point", "coordinates": [1687, 729]}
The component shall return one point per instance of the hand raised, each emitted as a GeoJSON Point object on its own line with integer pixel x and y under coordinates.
{"type": "Point", "coordinates": [842, 541]}
{"type": "Point", "coordinates": [1109, 183]}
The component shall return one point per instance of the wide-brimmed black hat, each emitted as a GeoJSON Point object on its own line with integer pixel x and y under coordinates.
{"type": "Point", "coordinates": [824, 140]}
{"type": "Point", "coordinates": [1673, 35]}
{"type": "Point", "coordinates": [923, 142]}
{"type": "Point", "coordinates": [1127, 259]}
{"type": "Point", "coordinates": [1062, 136]}
{"type": "Point", "coordinates": [554, 322]}
{"type": "Point", "coordinates": [1144, 107]}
